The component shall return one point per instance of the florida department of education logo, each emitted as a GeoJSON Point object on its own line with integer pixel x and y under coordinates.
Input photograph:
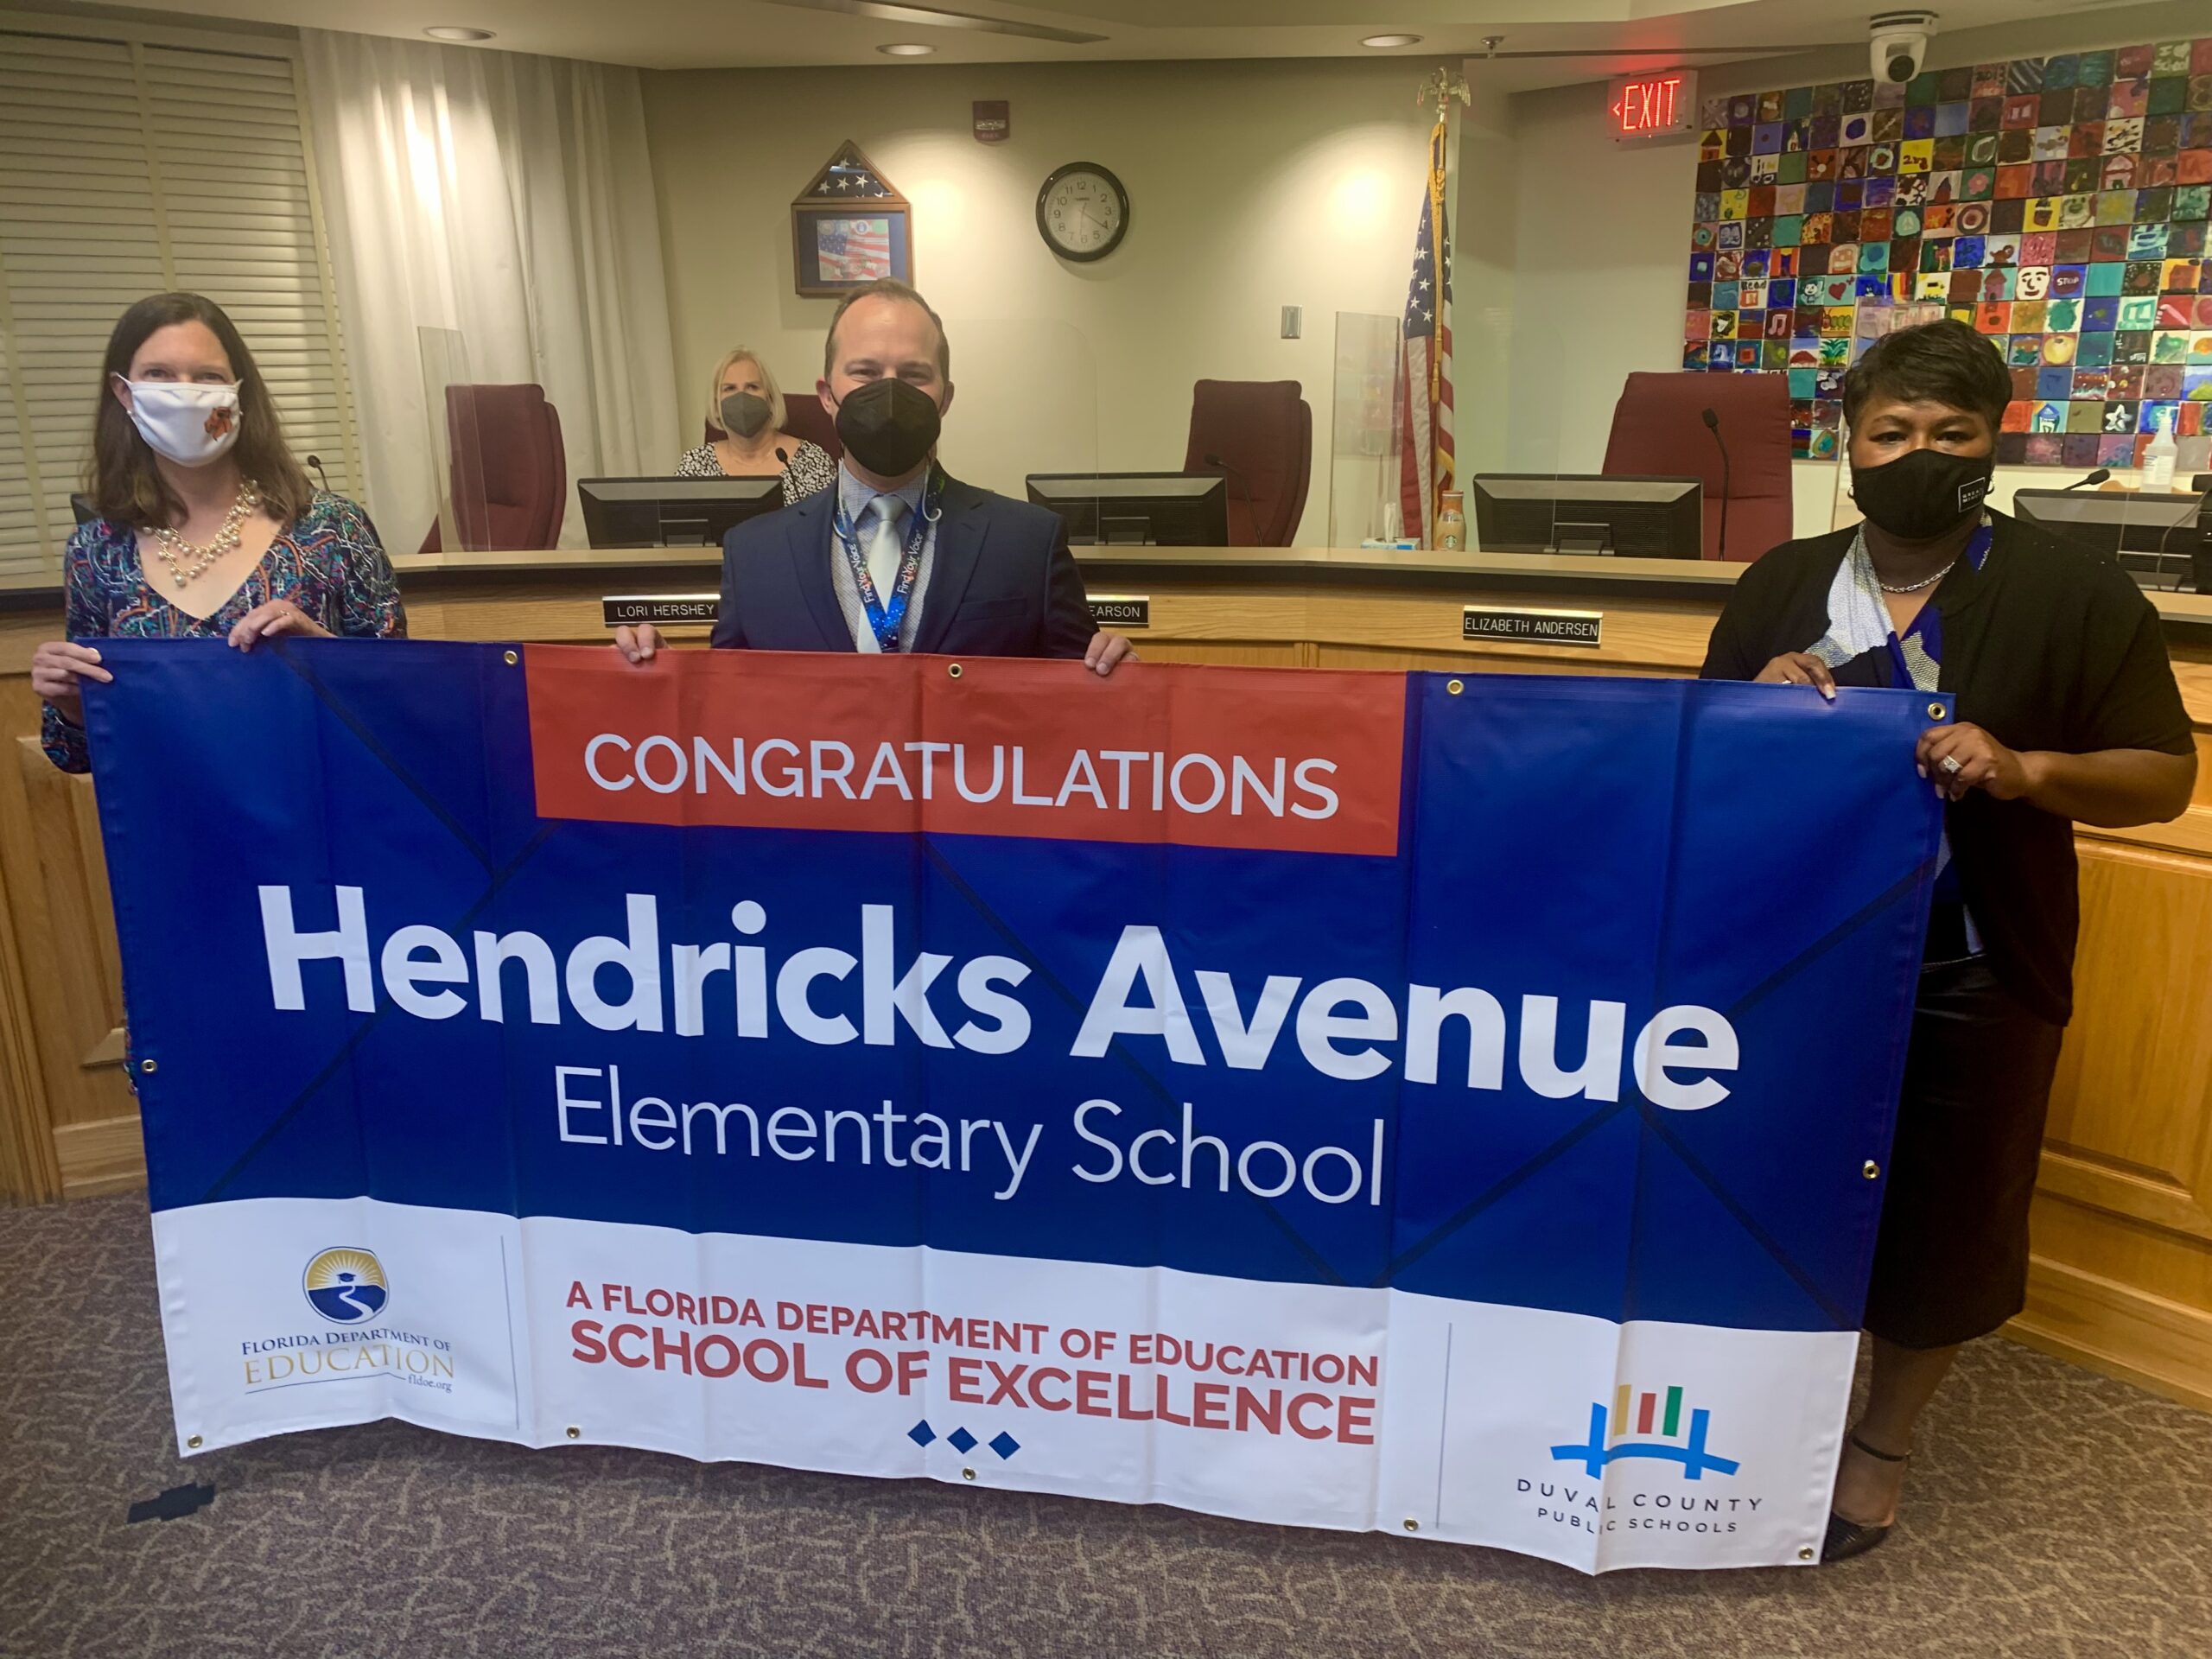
{"type": "Point", "coordinates": [346, 1286]}
{"type": "Point", "coordinates": [1658, 1431]}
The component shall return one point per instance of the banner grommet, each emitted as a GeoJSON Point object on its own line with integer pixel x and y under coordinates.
{"type": "Point", "coordinates": [1935, 711]}
{"type": "Point", "coordinates": [575, 1433]}
{"type": "Point", "coordinates": [1804, 1552]}
{"type": "Point", "coordinates": [511, 658]}
{"type": "Point", "coordinates": [150, 1065]}
{"type": "Point", "coordinates": [952, 670]}
{"type": "Point", "coordinates": [193, 1444]}
{"type": "Point", "coordinates": [967, 1474]}
{"type": "Point", "coordinates": [1455, 687]}
{"type": "Point", "coordinates": [1872, 1170]}
{"type": "Point", "coordinates": [1412, 1525]}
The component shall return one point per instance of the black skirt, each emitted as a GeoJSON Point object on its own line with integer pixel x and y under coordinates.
{"type": "Point", "coordinates": [1951, 1255]}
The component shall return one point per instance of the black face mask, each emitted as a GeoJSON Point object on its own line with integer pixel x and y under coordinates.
{"type": "Point", "coordinates": [1922, 492]}
{"type": "Point", "coordinates": [887, 426]}
{"type": "Point", "coordinates": [744, 415]}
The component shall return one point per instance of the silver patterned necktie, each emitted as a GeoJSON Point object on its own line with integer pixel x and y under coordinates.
{"type": "Point", "coordinates": [885, 548]}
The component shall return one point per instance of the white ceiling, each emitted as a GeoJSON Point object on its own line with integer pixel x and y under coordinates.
{"type": "Point", "coordinates": [716, 34]}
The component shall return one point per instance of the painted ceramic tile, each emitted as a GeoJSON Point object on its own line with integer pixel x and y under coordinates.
{"type": "Point", "coordinates": [2058, 206]}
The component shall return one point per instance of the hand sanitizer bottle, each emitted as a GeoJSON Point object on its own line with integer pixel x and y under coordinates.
{"type": "Point", "coordinates": [2158, 457]}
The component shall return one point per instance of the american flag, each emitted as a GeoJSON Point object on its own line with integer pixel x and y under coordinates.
{"type": "Point", "coordinates": [854, 250]}
{"type": "Point", "coordinates": [1424, 413]}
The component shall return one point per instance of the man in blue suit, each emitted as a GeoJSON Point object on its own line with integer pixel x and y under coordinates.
{"type": "Point", "coordinates": [897, 557]}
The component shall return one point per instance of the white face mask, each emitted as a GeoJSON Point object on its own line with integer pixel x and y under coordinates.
{"type": "Point", "coordinates": [190, 424]}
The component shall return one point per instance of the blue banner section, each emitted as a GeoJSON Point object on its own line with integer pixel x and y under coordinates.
{"type": "Point", "coordinates": [1616, 1032]}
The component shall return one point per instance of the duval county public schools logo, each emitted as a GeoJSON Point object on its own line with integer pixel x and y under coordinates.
{"type": "Point", "coordinates": [347, 1285]}
{"type": "Point", "coordinates": [1659, 1429]}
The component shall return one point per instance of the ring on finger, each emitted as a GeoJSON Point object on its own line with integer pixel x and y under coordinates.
{"type": "Point", "coordinates": [1950, 764]}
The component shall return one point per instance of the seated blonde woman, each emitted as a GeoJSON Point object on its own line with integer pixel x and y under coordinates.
{"type": "Point", "coordinates": [744, 402]}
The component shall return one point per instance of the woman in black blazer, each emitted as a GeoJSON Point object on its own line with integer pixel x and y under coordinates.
{"type": "Point", "coordinates": [2066, 710]}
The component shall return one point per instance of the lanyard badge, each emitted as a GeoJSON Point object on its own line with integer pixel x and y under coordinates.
{"type": "Point", "coordinates": [883, 620]}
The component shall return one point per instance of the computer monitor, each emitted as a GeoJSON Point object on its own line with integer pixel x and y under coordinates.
{"type": "Point", "coordinates": [1137, 508]}
{"type": "Point", "coordinates": [2157, 539]}
{"type": "Point", "coordinates": [1637, 517]}
{"type": "Point", "coordinates": [672, 511]}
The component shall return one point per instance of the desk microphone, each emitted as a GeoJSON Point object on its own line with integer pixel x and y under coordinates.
{"type": "Point", "coordinates": [315, 461]}
{"type": "Point", "coordinates": [1251, 513]}
{"type": "Point", "coordinates": [2203, 485]}
{"type": "Point", "coordinates": [1712, 425]}
{"type": "Point", "coordinates": [2097, 477]}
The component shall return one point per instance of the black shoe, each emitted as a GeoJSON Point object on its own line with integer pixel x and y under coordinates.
{"type": "Point", "coordinates": [1849, 1538]}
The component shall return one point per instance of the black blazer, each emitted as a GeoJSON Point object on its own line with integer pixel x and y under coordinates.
{"type": "Point", "coordinates": [2048, 646]}
{"type": "Point", "coordinates": [1001, 582]}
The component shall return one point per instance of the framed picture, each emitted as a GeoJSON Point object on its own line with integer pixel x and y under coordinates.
{"type": "Point", "coordinates": [850, 228]}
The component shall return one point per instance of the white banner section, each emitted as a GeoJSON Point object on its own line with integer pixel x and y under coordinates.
{"type": "Point", "coordinates": [1595, 1444]}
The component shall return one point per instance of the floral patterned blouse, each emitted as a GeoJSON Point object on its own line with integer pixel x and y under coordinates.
{"type": "Point", "coordinates": [810, 471]}
{"type": "Point", "coordinates": [327, 562]}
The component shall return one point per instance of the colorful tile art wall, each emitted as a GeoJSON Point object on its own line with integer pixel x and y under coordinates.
{"type": "Point", "coordinates": [2058, 205]}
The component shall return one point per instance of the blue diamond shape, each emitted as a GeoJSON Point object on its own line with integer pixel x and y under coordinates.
{"type": "Point", "coordinates": [921, 1433]}
{"type": "Point", "coordinates": [1004, 1443]}
{"type": "Point", "coordinates": [962, 1441]}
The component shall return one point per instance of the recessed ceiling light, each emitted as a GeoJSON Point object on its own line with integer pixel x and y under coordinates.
{"type": "Point", "coordinates": [942, 18]}
{"type": "Point", "coordinates": [905, 49]}
{"type": "Point", "coordinates": [450, 32]}
{"type": "Point", "coordinates": [1379, 42]}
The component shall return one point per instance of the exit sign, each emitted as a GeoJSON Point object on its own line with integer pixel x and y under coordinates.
{"type": "Point", "coordinates": [1643, 107]}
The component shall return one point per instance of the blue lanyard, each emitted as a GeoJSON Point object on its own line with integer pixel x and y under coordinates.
{"type": "Point", "coordinates": [1928, 625]}
{"type": "Point", "coordinates": [883, 620]}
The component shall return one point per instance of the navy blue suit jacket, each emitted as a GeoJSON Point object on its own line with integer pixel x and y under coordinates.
{"type": "Point", "coordinates": [1001, 582]}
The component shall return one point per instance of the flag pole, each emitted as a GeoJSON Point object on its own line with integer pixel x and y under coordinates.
{"type": "Point", "coordinates": [1442, 87]}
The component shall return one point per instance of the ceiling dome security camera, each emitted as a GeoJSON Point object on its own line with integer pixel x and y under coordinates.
{"type": "Point", "coordinates": [1900, 41]}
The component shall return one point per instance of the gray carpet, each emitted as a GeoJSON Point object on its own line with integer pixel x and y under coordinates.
{"type": "Point", "coordinates": [2053, 1513]}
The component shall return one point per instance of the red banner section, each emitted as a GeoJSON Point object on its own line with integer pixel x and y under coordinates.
{"type": "Point", "coordinates": [1296, 760]}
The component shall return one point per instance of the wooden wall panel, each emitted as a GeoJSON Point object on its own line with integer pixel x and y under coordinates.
{"type": "Point", "coordinates": [56, 872]}
{"type": "Point", "coordinates": [2135, 1080]}
{"type": "Point", "coordinates": [2123, 1227]}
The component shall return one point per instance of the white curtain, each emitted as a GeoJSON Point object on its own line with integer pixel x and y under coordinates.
{"type": "Point", "coordinates": [508, 200]}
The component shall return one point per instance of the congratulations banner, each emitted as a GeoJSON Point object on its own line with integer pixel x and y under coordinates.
{"type": "Point", "coordinates": [1352, 1100]}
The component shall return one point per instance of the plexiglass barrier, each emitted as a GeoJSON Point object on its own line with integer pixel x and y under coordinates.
{"type": "Point", "coordinates": [454, 441]}
{"type": "Point", "coordinates": [1000, 429]}
{"type": "Point", "coordinates": [1364, 470]}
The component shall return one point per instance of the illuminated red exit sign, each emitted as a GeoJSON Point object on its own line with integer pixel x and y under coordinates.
{"type": "Point", "coordinates": [1662, 105]}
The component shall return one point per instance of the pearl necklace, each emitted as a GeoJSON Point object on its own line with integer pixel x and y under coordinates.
{"type": "Point", "coordinates": [185, 560]}
{"type": "Point", "coordinates": [1915, 587]}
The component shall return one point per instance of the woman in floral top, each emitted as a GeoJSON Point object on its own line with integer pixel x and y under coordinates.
{"type": "Point", "coordinates": [746, 406]}
{"type": "Point", "coordinates": [208, 527]}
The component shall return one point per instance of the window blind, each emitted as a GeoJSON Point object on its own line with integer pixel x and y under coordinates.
{"type": "Point", "coordinates": [128, 166]}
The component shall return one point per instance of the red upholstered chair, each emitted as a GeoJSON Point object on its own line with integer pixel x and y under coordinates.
{"type": "Point", "coordinates": [803, 418]}
{"type": "Point", "coordinates": [1659, 428]}
{"type": "Point", "coordinates": [509, 471]}
{"type": "Point", "coordinates": [1261, 431]}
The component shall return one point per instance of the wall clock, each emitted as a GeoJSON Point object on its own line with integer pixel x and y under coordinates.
{"type": "Point", "coordinates": [1082, 213]}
